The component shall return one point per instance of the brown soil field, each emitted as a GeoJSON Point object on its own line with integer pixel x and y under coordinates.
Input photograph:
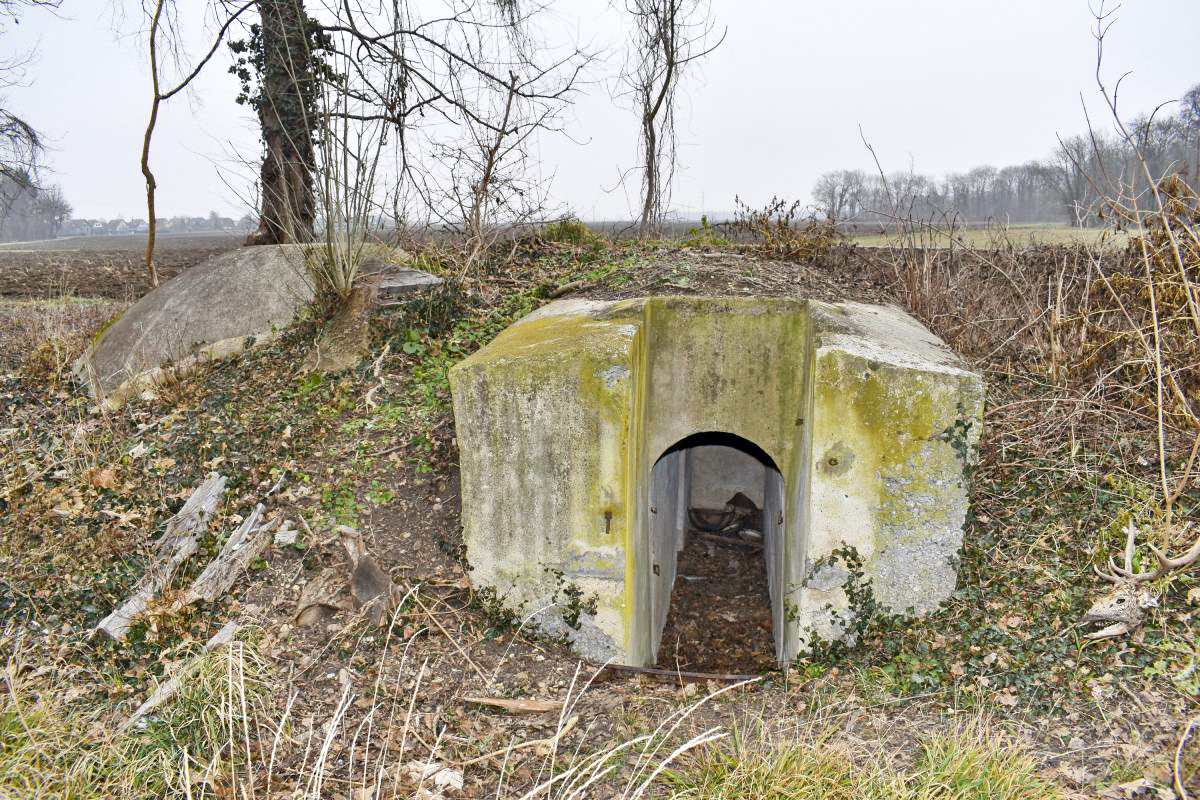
{"type": "Point", "coordinates": [101, 266]}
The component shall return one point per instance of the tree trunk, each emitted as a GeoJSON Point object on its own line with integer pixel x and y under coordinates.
{"type": "Point", "coordinates": [151, 184]}
{"type": "Point", "coordinates": [286, 114]}
{"type": "Point", "coordinates": [652, 197]}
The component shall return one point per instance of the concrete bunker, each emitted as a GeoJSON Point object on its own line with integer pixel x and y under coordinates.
{"type": "Point", "coordinates": [575, 429]}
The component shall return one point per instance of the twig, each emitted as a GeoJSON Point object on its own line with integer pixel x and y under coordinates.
{"type": "Point", "coordinates": [442, 628]}
{"type": "Point", "coordinates": [1132, 696]}
{"type": "Point", "coordinates": [729, 540]}
{"type": "Point", "coordinates": [376, 370]}
{"type": "Point", "coordinates": [548, 742]}
{"type": "Point", "coordinates": [566, 288]}
{"type": "Point", "coordinates": [1180, 789]}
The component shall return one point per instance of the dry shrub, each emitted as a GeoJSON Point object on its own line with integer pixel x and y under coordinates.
{"type": "Point", "coordinates": [780, 230]}
{"type": "Point", "coordinates": [1145, 325]}
{"type": "Point", "coordinates": [1082, 318]}
{"type": "Point", "coordinates": [1106, 340]}
{"type": "Point", "coordinates": [49, 361]}
{"type": "Point", "coordinates": [41, 339]}
{"type": "Point", "coordinates": [987, 304]}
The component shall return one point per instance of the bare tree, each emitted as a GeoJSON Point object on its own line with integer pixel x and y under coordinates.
{"type": "Point", "coordinates": [669, 36]}
{"type": "Point", "coordinates": [1068, 174]}
{"type": "Point", "coordinates": [30, 212]}
{"type": "Point", "coordinates": [1191, 121]}
{"type": "Point", "coordinates": [838, 195]}
{"type": "Point", "coordinates": [20, 143]}
{"type": "Point", "coordinates": [494, 152]}
{"type": "Point", "coordinates": [412, 74]}
{"type": "Point", "coordinates": [493, 182]}
{"type": "Point", "coordinates": [51, 207]}
{"type": "Point", "coordinates": [286, 50]}
{"type": "Point", "coordinates": [161, 14]}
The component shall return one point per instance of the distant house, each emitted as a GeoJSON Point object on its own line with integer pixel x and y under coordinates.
{"type": "Point", "coordinates": [118, 227]}
{"type": "Point", "coordinates": [138, 226]}
{"type": "Point", "coordinates": [99, 228]}
{"type": "Point", "coordinates": [76, 227]}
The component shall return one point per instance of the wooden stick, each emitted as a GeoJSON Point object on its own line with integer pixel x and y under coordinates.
{"type": "Point", "coordinates": [653, 672]}
{"type": "Point", "coordinates": [166, 691]}
{"type": "Point", "coordinates": [1180, 789]}
{"type": "Point", "coordinates": [441, 628]}
{"type": "Point", "coordinates": [180, 540]}
{"type": "Point", "coordinates": [729, 540]}
{"type": "Point", "coordinates": [243, 546]}
{"type": "Point", "coordinates": [566, 288]}
{"type": "Point", "coordinates": [544, 744]}
{"type": "Point", "coordinates": [515, 705]}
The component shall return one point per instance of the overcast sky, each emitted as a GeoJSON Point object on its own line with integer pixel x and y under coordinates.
{"type": "Point", "coordinates": [942, 85]}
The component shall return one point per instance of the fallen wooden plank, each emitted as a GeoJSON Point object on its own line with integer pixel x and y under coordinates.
{"type": "Point", "coordinates": [170, 688]}
{"type": "Point", "coordinates": [516, 705]}
{"type": "Point", "coordinates": [243, 546]}
{"type": "Point", "coordinates": [180, 540]}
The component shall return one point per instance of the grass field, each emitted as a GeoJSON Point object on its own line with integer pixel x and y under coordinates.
{"type": "Point", "coordinates": [993, 237]}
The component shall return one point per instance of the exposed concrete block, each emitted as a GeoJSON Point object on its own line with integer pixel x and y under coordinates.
{"type": "Point", "coordinates": [545, 423]}
{"type": "Point", "coordinates": [211, 311]}
{"type": "Point", "coordinates": [895, 421]}
{"type": "Point", "coordinates": [575, 427]}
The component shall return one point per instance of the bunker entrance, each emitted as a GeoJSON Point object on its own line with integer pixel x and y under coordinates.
{"type": "Point", "coordinates": [716, 555]}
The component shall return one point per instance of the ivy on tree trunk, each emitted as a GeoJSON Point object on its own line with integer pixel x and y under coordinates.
{"type": "Point", "coordinates": [284, 54]}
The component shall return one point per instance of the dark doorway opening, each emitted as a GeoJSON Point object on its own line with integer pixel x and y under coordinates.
{"type": "Point", "coordinates": [716, 503]}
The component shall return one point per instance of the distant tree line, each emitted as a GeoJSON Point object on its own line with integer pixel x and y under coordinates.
{"type": "Point", "coordinates": [28, 208]}
{"type": "Point", "coordinates": [1068, 185]}
{"type": "Point", "coordinates": [30, 211]}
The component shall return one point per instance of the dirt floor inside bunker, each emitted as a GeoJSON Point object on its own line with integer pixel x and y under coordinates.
{"type": "Point", "coordinates": [720, 616]}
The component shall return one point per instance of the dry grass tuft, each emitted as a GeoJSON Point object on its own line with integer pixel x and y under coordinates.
{"type": "Point", "coordinates": [55, 745]}
{"type": "Point", "coordinates": [40, 339]}
{"type": "Point", "coordinates": [969, 762]}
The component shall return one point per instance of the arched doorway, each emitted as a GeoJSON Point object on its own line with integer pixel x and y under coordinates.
{"type": "Point", "coordinates": [716, 503]}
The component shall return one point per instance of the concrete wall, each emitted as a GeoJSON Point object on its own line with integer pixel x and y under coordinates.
{"type": "Point", "coordinates": [721, 471]}
{"type": "Point", "coordinates": [895, 424]}
{"type": "Point", "coordinates": [668, 525]}
{"type": "Point", "coordinates": [545, 426]}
